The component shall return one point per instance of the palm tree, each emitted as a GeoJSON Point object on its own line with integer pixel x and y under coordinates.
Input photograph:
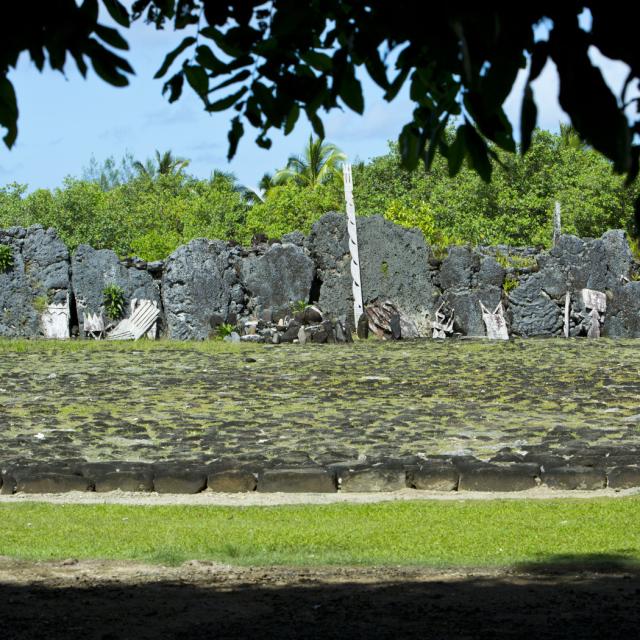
{"type": "Point", "coordinates": [165, 164]}
{"type": "Point", "coordinates": [318, 164]}
{"type": "Point", "coordinates": [570, 139]}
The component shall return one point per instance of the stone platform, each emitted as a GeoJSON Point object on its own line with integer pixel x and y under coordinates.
{"type": "Point", "coordinates": [175, 417]}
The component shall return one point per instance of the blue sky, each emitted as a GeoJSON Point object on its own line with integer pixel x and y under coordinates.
{"type": "Point", "coordinates": [64, 120]}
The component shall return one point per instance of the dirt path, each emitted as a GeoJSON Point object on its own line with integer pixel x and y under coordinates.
{"type": "Point", "coordinates": [274, 499]}
{"type": "Point", "coordinates": [109, 600]}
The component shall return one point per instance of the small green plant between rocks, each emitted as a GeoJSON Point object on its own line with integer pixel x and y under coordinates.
{"type": "Point", "coordinates": [41, 303]}
{"type": "Point", "coordinates": [225, 329]}
{"type": "Point", "coordinates": [515, 261]}
{"type": "Point", "coordinates": [298, 306]}
{"type": "Point", "coordinates": [113, 300]}
{"type": "Point", "coordinates": [6, 258]}
{"type": "Point", "coordinates": [509, 284]}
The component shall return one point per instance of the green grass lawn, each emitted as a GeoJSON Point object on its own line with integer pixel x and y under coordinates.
{"type": "Point", "coordinates": [434, 534]}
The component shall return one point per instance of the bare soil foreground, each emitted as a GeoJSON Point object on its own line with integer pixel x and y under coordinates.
{"type": "Point", "coordinates": [199, 600]}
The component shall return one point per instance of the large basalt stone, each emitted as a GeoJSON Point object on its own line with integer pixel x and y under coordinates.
{"type": "Point", "coordinates": [571, 265]}
{"type": "Point", "coordinates": [50, 482]}
{"type": "Point", "coordinates": [39, 277]}
{"type": "Point", "coordinates": [394, 266]}
{"type": "Point", "coordinates": [94, 269]}
{"type": "Point", "coordinates": [196, 286]}
{"type": "Point", "coordinates": [572, 478]}
{"type": "Point", "coordinates": [467, 279]}
{"type": "Point", "coordinates": [372, 479]}
{"type": "Point", "coordinates": [516, 477]}
{"type": "Point", "coordinates": [533, 312]}
{"type": "Point", "coordinates": [434, 477]}
{"type": "Point", "coordinates": [278, 279]}
{"type": "Point", "coordinates": [231, 481]}
{"type": "Point", "coordinates": [468, 313]}
{"type": "Point", "coordinates": [622, 319]}
{"type": "Point", "coordinates": [310, 480]}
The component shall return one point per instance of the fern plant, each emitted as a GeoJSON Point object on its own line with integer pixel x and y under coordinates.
{"type": "Point", "coordinates": [113, 300]}
{"type": "Point", "coordinates": [6, 258]}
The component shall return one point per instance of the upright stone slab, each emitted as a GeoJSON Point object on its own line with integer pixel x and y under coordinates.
{"type": "Point", "coordinates": [197, 288]}
{"type": "Point", "coordinates": [94, 269]}
{"type": "Point", "coordinates": [39, 277]}
{"type": "Point", "coordinates": [278, 279]}
{"type": "Point", "coordinates": [468, 279]}
{"type": "Point", "coordinates": [394, 266]}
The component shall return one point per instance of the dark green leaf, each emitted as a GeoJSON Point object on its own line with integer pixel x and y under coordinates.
{"type": "Point", "coordinates": [223, 40]}
{"type": "Point", "coordinates": [117, 11]}
{"type": "Point", "coordinates": [396, 85]}
{"type": "Point", "coordinates": [111, 36]}
{"type": "Point", "coordinates": [235, 133]}
{"type": "Point", "coordinates": [263, 142]}
{"type": "Point", "coordinates": [197, 78]}
{"type": "Point", "coordinates": [206, 58]}
{"type": "Point", "coordinates": [316, 123]}
{"type": "Point", "coordinates": [539, 57]}
{"type": "Point", "coordinates": [477, 150]}
{"type": "Point", "coordinates": [225, 103]}
{"type": "Point", "coordinates": [377, 70]}
{"type": "Point", "coordinates": [168, 61]}
{"type": "Point", "coordinates": [635, 165]}
{"type": "Point", "coordinates": [350, 90]}
{"type": "Point", "coordinates": [409, 143]}
{"type": "Point", "coordinates": [455, 153]}
{"type": "Point", "coordinates": [174, 86]}
{"type": "Point", "coordinates": [430, 152]}
{"type": "Point", "coordinates": [588, 100]}
{"type": "Point", "coordinates": [317, 60]}
{"type": "Point", "coordinates": [8, 111]}
{"type": "Point", "coordinates": [528, 117]}
{"type": "Point", "coordinates": [107, 65]}
{"type": "Point", "coordinates": [292, 118]}
{"type": "Point", "coordinates": [238, 77]}
{"type": "Point", "coordinates": [265, 97]}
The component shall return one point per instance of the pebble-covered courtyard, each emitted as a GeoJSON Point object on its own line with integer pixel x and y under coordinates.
{"type": "Point", "coordinates": [290, 404]}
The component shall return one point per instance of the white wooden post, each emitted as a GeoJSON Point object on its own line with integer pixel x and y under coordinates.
{"type": "Point", "coordinates": [358, 308]}
{"type": "Point", "coordinates": [557, 223]}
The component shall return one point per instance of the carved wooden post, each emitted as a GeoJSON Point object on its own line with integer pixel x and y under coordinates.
{"type": "Point", "coordinates": [557, 224]}
{"type": "Point", "coordinates": [358, 308]}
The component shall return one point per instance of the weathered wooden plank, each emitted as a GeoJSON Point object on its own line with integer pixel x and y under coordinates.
{"type": "Point", "coordinates": [594, 300]}
{"type": "Point", "coordinates": [356, 286]}
{"type": "Point", "coordinates": [495, 323]}
{"type": "Point", "coordinates": [55, 321]}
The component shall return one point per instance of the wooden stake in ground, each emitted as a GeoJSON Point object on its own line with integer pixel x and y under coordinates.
{"type": "Point", "coordinates": [358, 308]}
{"type": "Point", "coordinates": [557, 224]}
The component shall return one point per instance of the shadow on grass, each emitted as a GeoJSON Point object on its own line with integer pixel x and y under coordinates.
{"type": "Point", "coordinates": [550, 600]}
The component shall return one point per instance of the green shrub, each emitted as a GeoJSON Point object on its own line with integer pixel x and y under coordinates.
{"type": "Point", "coordinates": [225, 329]}
{"type": "Point", "coordinates": [6, 258]}
{"type": "Point", "coordinates": [113, 300]}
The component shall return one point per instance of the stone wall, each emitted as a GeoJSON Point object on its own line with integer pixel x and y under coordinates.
{"type": "Point", "coordinates": [207, 282]}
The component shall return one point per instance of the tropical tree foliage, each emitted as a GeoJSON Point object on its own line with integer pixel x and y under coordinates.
{"type": "Point", "coordinates": [150, 218]}
{"type": "Point", "coordinates": [319, 163]}
{"type": "Point", "coordinates": [165, 163]}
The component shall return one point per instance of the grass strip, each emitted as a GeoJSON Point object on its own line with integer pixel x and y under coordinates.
{"type": "Point", "coordinates": [436, 534]}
